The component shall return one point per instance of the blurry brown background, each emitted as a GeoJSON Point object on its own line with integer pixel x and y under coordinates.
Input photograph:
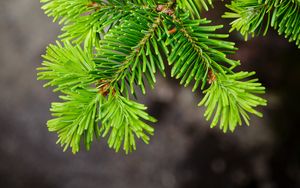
{"type": "Point", "coordinates": [183, 153]}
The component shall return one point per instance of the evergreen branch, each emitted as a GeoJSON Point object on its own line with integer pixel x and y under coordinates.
{"type": "Point", "coordinates": [250, 16]}
{"type": "Point", "coordinates": [66, 9]}
{"type": "Point", "coordinates": [76, 118]}
{"type": "Point", "coordinates": [78, 115]}
{"type": "Point", "coordinates": [194, 6]}
{"type": "Point", "coordinates": [69, 67]}
{"type": "Point", "coordinates": [66, 67]}
{"type": "Point", "coordinates": [197, 54]}
{"type": "Point", "coordinates": [230, 100]}
{"type": "Point", "coordinates": [87, 20]}
{"type": "Point", "coordinates": [92, 26]}
{"type": "Point", "coordinates": [286, 19]}
{"type": "Point", "coordinates": [151, 3]}
{"type": "Point", "coordinates": [126, 53]}
{"type": "Point", "coordinates": [196, 50]}
{"type": "Point", "coordinates": [121, 119]}
{"type": "Point", "coordinates": [125, 43]}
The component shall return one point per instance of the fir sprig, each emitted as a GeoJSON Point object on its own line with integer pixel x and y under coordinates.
{"type": "Point", "coordinates": [76, 118]}
{"type": "Point", "coordinates": [129, 52]}
{"type": "Point", "coordinates": [122, 120]}
{"type": "Point", "coordinates": [194, 7]}
{"type": "Point", "coordinates": [253, 17]}
{"type": "Point", "coordinates": [230, 100]}
{"type": "Point", "coordinates": [111, 48]}
{"type": "Point", "coordinates": [196, 49]}
{"type": "Point", "coordinates": [67, 67]}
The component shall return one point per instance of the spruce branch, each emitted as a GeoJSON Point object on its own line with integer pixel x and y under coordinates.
{"type": "Point", "coordinates": [92, 26]}
{"type": "Point", "coordinates": [200, 55]}
{"type": "Point", "coordinates": [196, 49]}
{"type": "Point", "coordinates": [252, 17]}
{"type": "Point", "coordinates": [122, 121]}
{"type": "Point", "coordinates": [130, 51]}
{"type": "Point", "coordinates": [66, 10]}
{"type": "Point", "coordinates": [120, 46]}
{"type": "Point", "coordinates": [76, 118]}
{"type": "Point", "coordinates": [67, 67]}
{"type": "Point", "coordinates": [194, 6]}
{"type": "Point", "coordinates": [87, 20]}
{"type": "Point", "coordinates": [230, 99]}
{"type": "Point", "coordinates": [79, 116]}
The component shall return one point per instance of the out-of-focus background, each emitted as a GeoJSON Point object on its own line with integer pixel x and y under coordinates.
{"type": "Point", "coordinates": [183, 153]}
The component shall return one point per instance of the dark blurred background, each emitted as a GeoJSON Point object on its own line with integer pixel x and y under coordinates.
{"type": "Point", "coordinates": [183, 153]}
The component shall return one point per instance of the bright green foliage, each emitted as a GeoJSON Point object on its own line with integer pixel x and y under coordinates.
{"type": "Point", "coordinates": [196, 55]}
{"type": "Point", "coordinates": [76, 118]}
{"type": "Point", "coordinates": [131, 51]}
{"type": "Point", "coordinates": [67, 67]}
{"type": "Point", "coordinates": [113, 48]}
{"type": "Point", "coordinates": [194, 6]}
{"type": "Point", "coordinates": [122, 119]}
{"type": "Point", "coordinates": [66, 10]}
{"type": "Point", "coordinates": [93, 25]}
{"type": "Point", "coordinates": [196, 49]}
{"type": "Point", "coordinates": [229, 99]}
{"type": "Point", "coordinates": [255, 16]}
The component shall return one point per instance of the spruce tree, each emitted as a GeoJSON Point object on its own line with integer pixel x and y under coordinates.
{"type": "Point", "coordinates": [109, 50]}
